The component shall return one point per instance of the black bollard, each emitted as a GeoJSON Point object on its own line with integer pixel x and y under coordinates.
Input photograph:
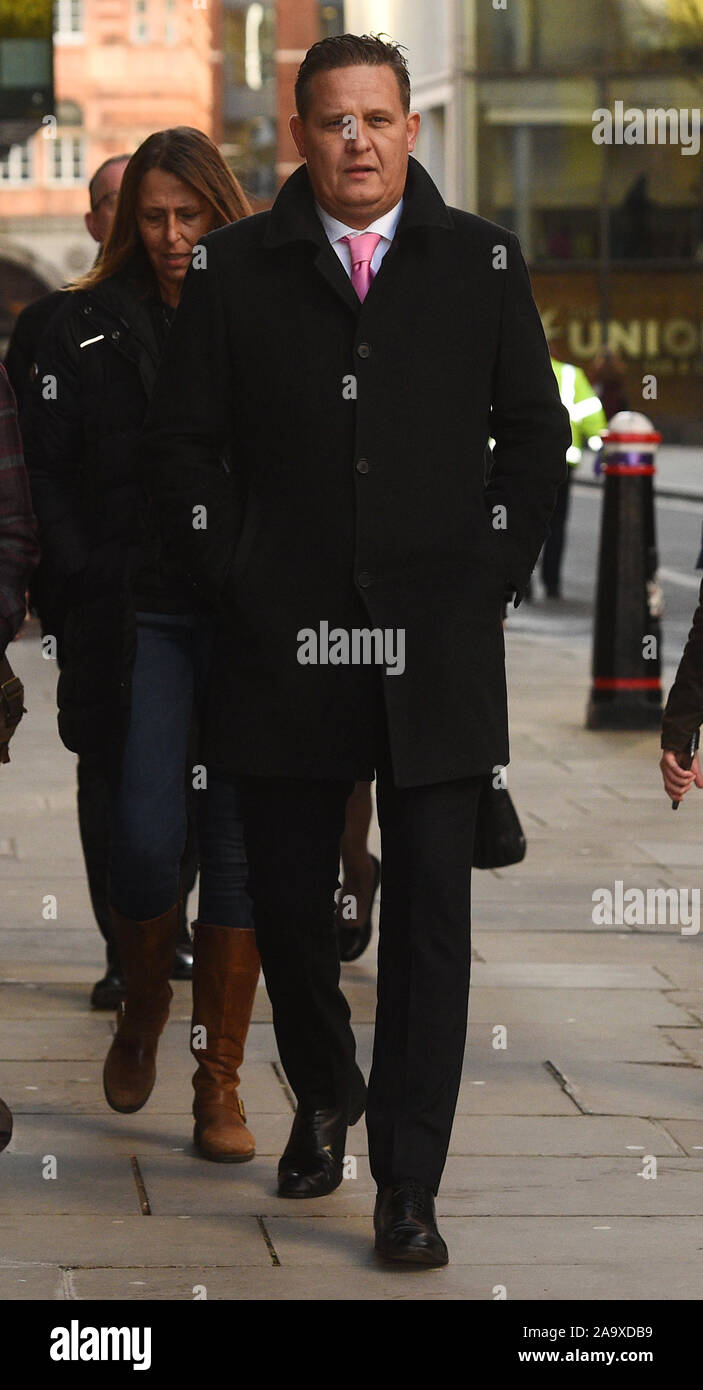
{"type": "Point", "coordinates": [626, 690]}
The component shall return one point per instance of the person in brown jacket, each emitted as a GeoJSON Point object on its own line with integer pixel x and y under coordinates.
{"type": "Point", "coordinates": [683, 716]}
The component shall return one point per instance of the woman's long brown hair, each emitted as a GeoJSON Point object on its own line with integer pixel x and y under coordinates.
{"type": "Point", "coordinates": [191, 156]}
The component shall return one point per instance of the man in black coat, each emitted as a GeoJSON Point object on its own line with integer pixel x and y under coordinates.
{"type": "Point", "coordinates": [355, 384]}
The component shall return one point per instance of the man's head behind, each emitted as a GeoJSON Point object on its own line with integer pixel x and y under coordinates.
{"type": "Point", "coordinates": [354, 125]}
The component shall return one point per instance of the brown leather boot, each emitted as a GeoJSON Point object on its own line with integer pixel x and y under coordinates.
{"type": "Point", "coordinates": [146, 952]}
{"type": "Point", "coordinates": [225, 974]}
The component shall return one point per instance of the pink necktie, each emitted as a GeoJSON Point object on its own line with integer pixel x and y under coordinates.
{"type": "Point", "coordinates": [362, 249]}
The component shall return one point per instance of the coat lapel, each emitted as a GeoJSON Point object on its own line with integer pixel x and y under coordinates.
{"type": "Point", "coordinates": [329, 265]}
{"type": "Point", "coordinates": [293, 218]}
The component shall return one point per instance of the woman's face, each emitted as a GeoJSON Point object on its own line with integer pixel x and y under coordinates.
{"type": "Point", "coordinates": [171, 216]}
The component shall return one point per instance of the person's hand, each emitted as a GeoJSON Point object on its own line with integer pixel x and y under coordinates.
{"type": "Point", "coordinates": [678, 779]}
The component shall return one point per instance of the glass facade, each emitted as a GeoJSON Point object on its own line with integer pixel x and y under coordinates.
{"type": "Point", "coordinates": [249, 37]}
{"type": "Point", "coordinates": [608, 206]}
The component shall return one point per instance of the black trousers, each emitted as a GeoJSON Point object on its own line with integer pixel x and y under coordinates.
{"type": "Point", "coordinates": [553, 550]}
{"type": "Point", "coordinates": [292, 829]}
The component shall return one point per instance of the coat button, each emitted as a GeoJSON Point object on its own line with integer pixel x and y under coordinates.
{"type": "Point", "coordinates": [362, 466]}
{"type": "Point", "coordinates": [365, 580]}
{"type": "Point", "coordinates": [364, 350]}
{"type": "Point", "coordinates": [115, 335]}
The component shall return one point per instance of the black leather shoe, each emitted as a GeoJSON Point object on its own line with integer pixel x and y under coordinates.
{"type": "Point", "coordinates": [312, 1162]}
{"type": "Point", "coordinates": [353, 940]}
{"type": "Point", "coordinates": [109, 992]}
{"type": "Point", "coordinates": [405, 1226]}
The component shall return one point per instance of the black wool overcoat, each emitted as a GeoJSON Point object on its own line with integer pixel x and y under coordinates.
{"type": "Point", "coordinates": [358, 433]}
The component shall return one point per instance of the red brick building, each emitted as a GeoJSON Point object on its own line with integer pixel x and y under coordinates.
{"type": "Point", "coordinates": [124, 68]}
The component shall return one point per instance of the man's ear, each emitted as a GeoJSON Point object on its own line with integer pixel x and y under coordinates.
{"type": "Point", "coordinates": [296, 128]}
{"type": "Point", "coordinates": [413, 129]}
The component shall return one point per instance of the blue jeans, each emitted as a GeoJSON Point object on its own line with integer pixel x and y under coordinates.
{"type": "Point", "coordinates": [148, 806]}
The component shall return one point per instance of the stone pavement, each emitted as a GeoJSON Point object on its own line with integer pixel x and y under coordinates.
{"type": "Point", "coordinates": [544, 1196]}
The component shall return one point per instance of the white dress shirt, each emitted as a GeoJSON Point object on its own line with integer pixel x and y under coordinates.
{"type": "Point", "coordinates": [335, 230]}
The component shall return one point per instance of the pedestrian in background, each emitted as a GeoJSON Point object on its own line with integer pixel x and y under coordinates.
{"type": "Point", "coordinates": [48, 602]}
{"type": "Point", "coordinates": [587, 420]}
{"type": "Point", "coordinates": [356, 344]}
{"type": "Point", "coordinates": [19, 553]}
{"type": "Point", "coordinates": [138, 639]}
{"type": "Point", "coordinates": [683, 716]}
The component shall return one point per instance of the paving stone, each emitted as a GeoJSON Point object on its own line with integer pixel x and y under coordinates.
{"type": "Point", "coordinates": [684, 852]}
{"type": "Point", "coordinates": [614, 946]}
{"type": "Point", "coordinates": [689, 1041]}
{"type": "Point", "coordinates": [70, 1038]}
{"type": "Point", "coordinates": [565, 975]}
{"type": "Point", "coordinates": [519, 1186]}
{"type": "Point", "coordinates": [43, 1000]}
{"type": "Point", "coordinates": [683, 972]}
{"type": "Point", "coordinates": [22, 1282]}
{"type": "Point", "coordinates": [53, 943]}
{"type": "Point", "coordinates": [561, 1135]}
{"type": "Point", "coordinates": [100, 1133]}
{"type": "Point", "coordinates": [625, 1241]}
{"type": "Point", "coordinates": [612, 1282]}
{"type": "Point", "coordinates": [628, 1010]}
{"type": "Point", "coordinates": [537, 1041]}
{"type": "Point", "coordinates": [81, 1185]}
{"type": "Point", "coordinates": [189, 1184]}
{"type": "Point", "coordinates": [634, 1088]}
{"type": "Point", "coordinates": [689, 1000]}
{"type": "Point", "coordinates": [687, 1133]}
{"type": "Point", "coordinates": [125, 1241]}
{"type": "Point", "coordinates": [278, 1284]}
{"type": "Point", "coordinates": [43, 1087]}
{"type": "Point", "coordinates": [518, 1088]}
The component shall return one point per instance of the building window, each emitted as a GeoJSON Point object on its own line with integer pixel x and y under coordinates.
{"type": "Point", "coordinates": [67, 159]}
{"type": "Point", "coordinates": [249, 47]}
{"type": "Point", "coordinates": [171, 25]}
{"type": "Point", "coordinates": [17, 166]}
{"type": "Point", "coordinates": [68, 20]}
{"type": "Point", "coordinates": [140, 22]}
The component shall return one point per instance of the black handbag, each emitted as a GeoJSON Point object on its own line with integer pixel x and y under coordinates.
{"type": "Point", "coordinates": [499, 838]}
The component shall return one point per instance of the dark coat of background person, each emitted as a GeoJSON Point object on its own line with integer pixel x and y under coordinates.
{"type": "Point", "coordinates": [684, 708]}
{"type": "Point", "coordinates": [19, 544]}
{"type": "Point", "coordinates": [366, 512]}
{"type": "Point", "coordinates": [29, 326]}
{"type": "Point", "coordinates": [102, 348]}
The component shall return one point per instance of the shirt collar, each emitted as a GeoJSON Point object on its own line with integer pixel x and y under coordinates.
{"type": "Point", "coordinates": [385, 226]}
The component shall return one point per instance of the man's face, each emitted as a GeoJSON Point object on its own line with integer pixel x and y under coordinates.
{"type": "Point", "coordinates": [99, 219]}
{"type": "Point", "coordinates": [356, 139]}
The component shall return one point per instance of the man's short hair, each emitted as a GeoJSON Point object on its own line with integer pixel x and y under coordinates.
{"type": "Point", "coordinates": [351, 51]}
{"type": "Point", "coordinates": [114, 159]}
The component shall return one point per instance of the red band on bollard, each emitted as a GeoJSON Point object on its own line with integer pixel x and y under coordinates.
{"type": "Point", "coordinates": [616, 683]}
{"type": "Point", "coordinates": [631, 470]}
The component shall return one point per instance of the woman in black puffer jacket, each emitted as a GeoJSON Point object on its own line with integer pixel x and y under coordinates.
{"type": "Point", "coordinates": [137, 639]}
